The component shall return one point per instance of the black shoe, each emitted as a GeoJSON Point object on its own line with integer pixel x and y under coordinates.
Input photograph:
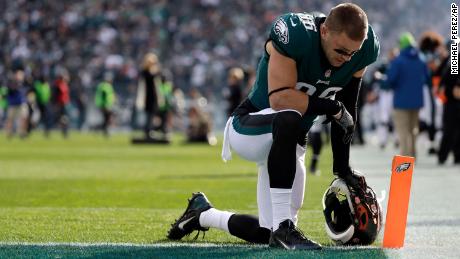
{"type": "Point", "coordinates": [289, 237]}
{"type": "Point", "coordinates": [190, 219]}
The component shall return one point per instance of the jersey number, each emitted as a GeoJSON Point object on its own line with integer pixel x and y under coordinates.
{"type": "Point", "coordinates": [307, 20]}
{"type": "Point", "coordinates": [309, 89]}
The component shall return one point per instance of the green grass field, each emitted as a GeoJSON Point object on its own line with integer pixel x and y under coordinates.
{"type": "Point", "coordinates": [92, 190]}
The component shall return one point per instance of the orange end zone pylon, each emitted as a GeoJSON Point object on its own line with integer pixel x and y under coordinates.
{"type": "Point", "coordinates": [398, 201]}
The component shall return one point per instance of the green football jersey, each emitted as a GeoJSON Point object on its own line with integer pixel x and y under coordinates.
{"type": "Point", "coordinates": [297, 35]}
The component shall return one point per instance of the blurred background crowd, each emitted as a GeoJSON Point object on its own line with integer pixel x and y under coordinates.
{"type": "Point", "coordinates": [83, 64]}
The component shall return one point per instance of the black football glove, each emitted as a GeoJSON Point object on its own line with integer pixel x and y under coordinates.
{"type": "Point", "coordinates": [346, 122]}
{"type": "Point", "coordinates": [353, 179]}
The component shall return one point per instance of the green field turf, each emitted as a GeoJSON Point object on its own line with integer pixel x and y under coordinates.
{"type": "Point", "coordinates": [88, 189]}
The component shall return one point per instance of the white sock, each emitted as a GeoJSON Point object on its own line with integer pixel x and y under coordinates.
{"type": "Point", "coordinates": [281, 205]}
{"type": "Point", "coordinates": [214, 218]}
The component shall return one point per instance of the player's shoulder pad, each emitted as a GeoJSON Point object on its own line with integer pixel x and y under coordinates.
{"type": "Point", "coordinates": [371, 47]}
{"type": "Point", "coordinates": [291, 34]}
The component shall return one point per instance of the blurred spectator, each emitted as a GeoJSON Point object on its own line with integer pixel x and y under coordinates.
{"type": "Point", "coordinates": [17, 108]}
{"type": "Point", "coordinates": [407, 75]}
{"type": "Point", "coordinates": [233, 92]}
{"type": "Point", "coordinates": [91, 36]}
{"type": "Point", "coordinates": [147, 92]}
{"type": "Point", "coordinates": [105, 98]}
{"type": "Point", "coordinates": [61, 101]}
{"type": "Point", "coordinates": [431, 45]}
{"type": "Point", "coordinates": [165, 102]}
{"type": "Point", "coordinates": [199, 126]}
{"type": "Point", "coordinates": [178, 110]}
{"type": "Point", "coordinates": [43, 94]}
{"type": "Point", "coordinates": [451, 117]}
{"type": "Point", "coordinates": [315, 141]}
{"type": "Point", "coordinates": [3, 103]}
{"type": "Point", "coordinates": [81, 101]}
{"type": "Point", "coordinates": [383, 98]}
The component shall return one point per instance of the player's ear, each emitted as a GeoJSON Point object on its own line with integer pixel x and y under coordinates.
{"type": "Point", "coordinates": [323, 30]}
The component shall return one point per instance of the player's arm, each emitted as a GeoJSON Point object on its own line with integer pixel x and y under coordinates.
{"type": "Point", "coordinates": [282, 78]}
{"type": "Point", "coordinates": [340, 149]}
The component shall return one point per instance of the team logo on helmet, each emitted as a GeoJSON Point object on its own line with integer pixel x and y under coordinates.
{"type": "Point", "coordinates": [402, 167]}
{"type": "Point", "coordinates": [281, 29]}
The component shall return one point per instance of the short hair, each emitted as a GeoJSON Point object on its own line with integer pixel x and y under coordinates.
{"type": "Point", "coordinates": [430, 41]}
{"type": "Point", "coordinates": [348, 18]}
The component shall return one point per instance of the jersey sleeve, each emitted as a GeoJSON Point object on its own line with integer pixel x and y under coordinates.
{"type": "Point", "coordinates": [290, 36]}
{"type": "Point", "coordinates": [371, 49]}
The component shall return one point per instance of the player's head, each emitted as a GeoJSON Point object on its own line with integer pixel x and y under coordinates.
{"type": "Point", "coordinates": [343, 33]}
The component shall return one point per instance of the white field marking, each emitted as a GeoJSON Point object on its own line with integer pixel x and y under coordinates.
{"type": "Point", "coordinates": [158, 245]}
{"type": "Point", "coordinates": [173, 244]}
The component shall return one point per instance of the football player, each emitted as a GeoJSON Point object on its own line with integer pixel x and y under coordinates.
{"type": "Point", "coordinates": [312, 65]}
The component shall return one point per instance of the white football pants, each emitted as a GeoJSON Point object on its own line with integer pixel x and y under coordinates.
{"type": "Point", "coordinates": [256, 148]}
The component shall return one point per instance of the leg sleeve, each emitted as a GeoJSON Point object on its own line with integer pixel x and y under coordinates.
{"type": "Point", "coordinates": [247, 228]}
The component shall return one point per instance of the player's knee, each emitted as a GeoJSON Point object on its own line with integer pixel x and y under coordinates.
{"type": "Point", "coordinates": [286, 124]}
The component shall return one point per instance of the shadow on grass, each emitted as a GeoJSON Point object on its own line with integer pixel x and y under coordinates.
{"type": "Point", "coordinates": [180, 251]}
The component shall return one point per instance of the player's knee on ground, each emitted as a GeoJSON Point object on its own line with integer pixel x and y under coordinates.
{"type": "Point", "coordinates": [247, 228]}
{"type": "Point", "coordinates": [282, 157]}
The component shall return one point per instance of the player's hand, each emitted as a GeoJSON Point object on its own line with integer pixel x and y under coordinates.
{"type": "Point", "coordinates": [346, 122]}
{"type": "Point", "coordinates": [353, 179]}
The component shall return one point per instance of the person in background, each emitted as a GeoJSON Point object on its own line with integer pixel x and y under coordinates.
{"type": "Point", "coordinates": [384, 100]}
{"type": "Point", "coordinates": [450, 86]}
{"type": "Point", "coordinates": [17, 108]}
{"type": "Point", "coordinates": [147, 92]}
{"type": "Point", "coordinates": [315, 141]}
{"type": "Point", "coordinates": [407, 75]}
{"type": "Point", "coordinates": [3, 103]}
{"type": "Point", "coordinates": [105, 99]}
{"type": "Point", "coordinates": [432, 47]}
{"type": "Point", "coordinates": [165, 96]}
{"type": "Point", "coordinates": [61, 98]}
{"type": "Point", "coordinates": [43, 95]}
{"type": "Point", "coordinates": [234, 93]}
{"type": "Point", "coordinates": [81, 100]}
{"type": "Point", "coordinates": [199, 126]}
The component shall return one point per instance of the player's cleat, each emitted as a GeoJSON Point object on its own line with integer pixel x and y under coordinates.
{"type": "Point", "coordinates": [288, 236]}
{"type": "Point", "coordinates": [190, 219]}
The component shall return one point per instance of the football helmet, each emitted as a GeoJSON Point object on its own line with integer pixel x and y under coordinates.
{"type": "Point", "coordinates": [353, 217]}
